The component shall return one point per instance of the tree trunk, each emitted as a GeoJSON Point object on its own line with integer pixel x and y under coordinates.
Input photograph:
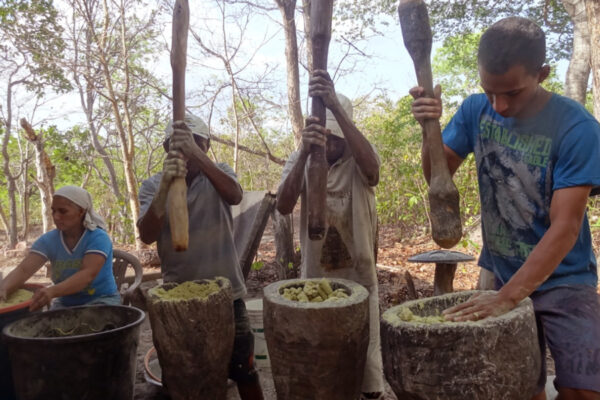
{"type": "Point", "coordinates": [309, 54]}
{"type": "Point", "coordinates": [593, 15]}
{"type": "Point", "coordinates": [236, 140]}
{"type": "Point", "coordinates": [24, 192]}
{"type": "Point", "coordinates": [25, 206]}
{"type": "Point", "coordinates": [579, 66]}
{"type": "Point", "coordinates": [45, 173]}
{"type": "Point", "coordinates": [12, 209]}
{"type": "Point", "coordinates": [4, 220]}
{"type": "Point", "coordinates": [128, 145]}
{"type": "Point", "coordinates": [11, 186]}
{"type": "Point", "coordinates": [122, 119]}
{"type": "Point", "coordinates": [87, 98]}
{"type": "Point", "coordinates": [288, 10]}
{"type": "Point", "coordinates": [284, 245]}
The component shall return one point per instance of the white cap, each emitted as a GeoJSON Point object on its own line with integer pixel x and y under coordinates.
{"type": "Point", "coordinates": [196, 125]}
{"type": "Point", "coordinates": [331, 122]}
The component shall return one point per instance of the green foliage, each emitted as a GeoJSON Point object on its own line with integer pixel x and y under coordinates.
{"type": "Point", "coordinates": [257, 265]}
{"type": "Point", "coordinates": [68, 151]}
{"type": "Point", "coordinates": [454, 67]}
{"type": "Point", "coordinates": [30, 38]}
{"type": "Point", "coordinates": [402, 190]}
{"type": "Point", "coordinates": [397, 137]}
{"type": "Point", "coordinates": [451, 18]}
{"type": "Point", "coordinates": [359, 18]}
{"type": "Point", "coordinates": [254, 172]}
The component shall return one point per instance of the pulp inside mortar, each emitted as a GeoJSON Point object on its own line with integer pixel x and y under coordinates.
{"type": "Point", "coordinates": [428, 310]}
{"type": "Point", "coordinates": [187, 291]}
{"type": "Point", "coordinates": [314, 291]}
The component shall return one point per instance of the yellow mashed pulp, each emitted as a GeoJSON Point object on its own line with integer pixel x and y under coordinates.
{"type": "Point", "coordinates": [16, 297]}
{"type": "Point", "coordinates": [187, 291]}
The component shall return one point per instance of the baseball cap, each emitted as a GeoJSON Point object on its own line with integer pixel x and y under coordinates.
{"type": "Point", "coordinates": [196, 125]}
{"type": "Point", "coordinates": [331, 122]}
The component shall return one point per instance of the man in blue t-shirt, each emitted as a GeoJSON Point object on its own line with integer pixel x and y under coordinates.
{"type": "Point", "coordinates": [538, 158]}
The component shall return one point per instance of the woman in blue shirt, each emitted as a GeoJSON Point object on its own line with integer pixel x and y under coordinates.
{"type": "Point", "coordinates": [80, 253]}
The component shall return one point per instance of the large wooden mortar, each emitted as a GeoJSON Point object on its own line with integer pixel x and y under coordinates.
{"type": "Point", "coordinates": [494, 358]}
{"type": "Point", "coordinates": [194, 341]}
{"type": "Point", "coordinates": [317, 350]}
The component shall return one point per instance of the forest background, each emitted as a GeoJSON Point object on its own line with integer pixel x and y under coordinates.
{"type": "Point", "coordinates": [85, 94]}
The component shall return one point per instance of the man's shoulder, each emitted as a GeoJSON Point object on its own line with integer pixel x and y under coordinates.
{"type": "Point", "coordinates": [563, 104]}
{"type": "Point", "coordinates": [293, 156]}
{"type": "Point", "coordinates": [154, 178]}
{"type": "Point", "coordinates": [475, 101]}
{"type": "Point", "coordinates": [153, 181]}
{"type": "Point", "coordinates": [224, 166]}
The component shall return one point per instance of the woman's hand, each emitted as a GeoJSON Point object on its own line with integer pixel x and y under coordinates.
{"type": "Point", "coordinates": [426, 107]}
{"type": "Point", "coordinates": [479, 306]}
{"type": "Point", "coordinates": [41, 298]}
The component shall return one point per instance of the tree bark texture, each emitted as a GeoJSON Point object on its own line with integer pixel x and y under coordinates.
{"type": "Point", "coordinates": [45, 171]}
{"type": "Point", "coordinates": [284, 245]}
{"type": "Point", "coordinates": [119, 105]}
{"type": "Point", "coordinates": [288, 10]}
{"type": "Point", "coordinates": [4, 220]}
{"type": "Point", "coordinates": [593, 15]}
{"type": "Point", "coordinates": [11, 186]}
{"type": "Point", "coordinates": [578, 71]}
{"type": "Point", "coordinates": [468, 360]}
{"type": "Point", "coordinates": [194, 342]}
{"type": "Point", "coordinates": [306, 4]}
{"type": "Point", "coordinates": [317, 350]}
{"type": "Point", "coordinates": [87, 97]}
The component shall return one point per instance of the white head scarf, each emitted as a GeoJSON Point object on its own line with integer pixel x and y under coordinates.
{"type": "Point", "coordinates": [83, 199]}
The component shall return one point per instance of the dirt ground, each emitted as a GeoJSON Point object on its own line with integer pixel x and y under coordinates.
{"type": "Point", "coordinates": [392, 265]}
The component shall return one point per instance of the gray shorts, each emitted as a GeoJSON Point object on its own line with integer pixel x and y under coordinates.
{"type": "Point", "coordinates": [568, 322]}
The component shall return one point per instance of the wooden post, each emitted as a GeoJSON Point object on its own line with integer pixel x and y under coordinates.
{"type": "Point", "coordinates": [443, 278]}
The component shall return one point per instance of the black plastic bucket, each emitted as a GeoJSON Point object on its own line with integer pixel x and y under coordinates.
{"type": "Point", "coordinates": [75, 353]}
{"type": "Point", "coordinates": [7, 391]}
{"type": "Point", "coordinates": [8, 315]}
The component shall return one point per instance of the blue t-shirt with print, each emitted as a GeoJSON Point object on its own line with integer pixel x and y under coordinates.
{"type": "Point", "coordinates": [67, 262]}
{"type": "Point", "coordinates": [520, 163]}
